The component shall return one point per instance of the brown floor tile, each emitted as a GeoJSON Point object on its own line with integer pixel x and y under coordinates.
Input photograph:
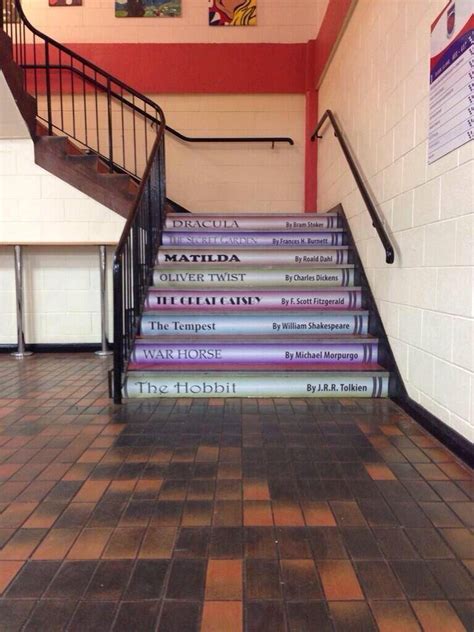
{"type": "Point", "coordinates": [293, 543]}
{"type": "Point", "coordinates": [224, 580]}
{"type": "Point", "coordinates": [456, 472]}
{"type": "Point", "coordinates": [465, 611]}
{"type": "Point", "coordinates": [287, 513]}
{"type": "Point", "coordinates": [256, 489]}
{"type": "Point", "coordinates": [465, 512]}
{"type": "Point", "coordinates": [379, 472]}
{"type": "Point", "coordinates": [90, 544]}
{"type": "Point", "coordinates": [339, 580]}
{"type": "Point", "coordinates": [227, 513]}
{"type": "Point", "coordinates": [8, 572]}
{"type": "Point", "coordinates": [393, 616]}
{"type": "Point", "coordinates": [197, 513]}
{"type": "Point", "coordinates": [32, 580]}
{"type": "Point", "coordinates": [327, 544]}
{"type": "Point", "coordinates": [461, 541]}
{"type": "Point", "coordinates": [158, 542]}
{"type": "Point", "coordinates": [318, 514]}
{"type": "Point", "coordinates": [258, 513]}
{"type": "Point", "coordinates": [229, 490]}
{"type": "Point", "coordinates": [352, 617]}
{"type": "Point", "coordinates": [124, 543]}
{"type": "Point", "coordinates": [201, 490]}
{"type": "Point", "coordinates": [394, 544]}
{"type": "Point", "coordinates": [147, 580]}
{"type": "Point", "coordinates": [91, 491]}
{"type": "Point", "coordinates": [218, 616]}
{"type": "Point", "coordinates": [192, 542]}
{"type": "Point", "coordinates": [56, 544]}
{"type": "Point", "coordinates": [137, 615]}
{"type": "Point", "coordinates": [437, 616]}
{"type": "Point", "coordinates": [167, 514]}
{"type": "Point", "coordinates": [441, 515]}
{"type": "Point", "coordinates": [347, 514]}
{"type": "Point", "coordinates": [15, 612]}
{"type": "Point", "coordinates": [361, 544]}
{"type": "Point", "coordinates": [71, 580]}
{"type": "Point", "coordinates": [16, 514]}
{"type": "Point", "coordinates": [453, 579]}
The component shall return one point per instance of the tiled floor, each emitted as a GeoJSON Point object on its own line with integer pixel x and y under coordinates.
{"type": "Point", "coordinates": [223, 515]}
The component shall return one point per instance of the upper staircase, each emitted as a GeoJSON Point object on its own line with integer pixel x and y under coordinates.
{"type": "Point", "coordinates": [256, 306]}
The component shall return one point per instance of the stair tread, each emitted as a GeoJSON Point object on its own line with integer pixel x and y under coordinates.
{"type": "Point", "coordinates": [264, 339]}
{"type": "Point", "coordinates": [221, 216]}
{"type": "Point", "coordinates": [230, 231]}
{"type": "Point", "coordinates": [247, 267]}
{"type": "Point", "coordinates": [328, 289]}
{"type": "Point", "coordinates": [199, 247]}
{"type": "Point", "coordinates": [372, 370]}
{"type": "Point", "coordinates": [257, 367]}
{"type": "Point", "coordinates": [267, 313]}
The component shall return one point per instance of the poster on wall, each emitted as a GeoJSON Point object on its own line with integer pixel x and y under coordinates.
{"type": "Point", "coordinates": [232, 12]}
{"type": "Point", "coordinates": [147, 8]}
{"type": "Point", "coordinates": [65, 3]}
{"type": "Point", "coordinates": [451, 119]}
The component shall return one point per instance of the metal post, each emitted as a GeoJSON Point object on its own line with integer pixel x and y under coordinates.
{"type": "Point", "coordinates": [20, 353]}
{"type": "Point", "coordinates": [104, 351]}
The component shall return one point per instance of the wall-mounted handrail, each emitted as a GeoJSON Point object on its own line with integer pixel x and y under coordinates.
{"type": "Point", "coordinates": [376, 221]}
{"type": "Point", "coordinates": [154, 121]}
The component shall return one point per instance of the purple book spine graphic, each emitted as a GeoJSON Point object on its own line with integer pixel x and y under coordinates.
{"type": "Point", "coordinates": [252, 300]}
{"type": "Point", "coordinates": [252, 239]}
{"type": "Point", "coordinates": [149, 354]}
{"type": "Point", "coordinates": [249, 222]}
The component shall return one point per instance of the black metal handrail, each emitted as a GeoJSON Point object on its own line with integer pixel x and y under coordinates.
{"type": "Point", "coordinates": [154, 121]}
{"type": "Point", "coordinates": [135, 257]}
{"type": "Point", "coordinates": [376, 221]}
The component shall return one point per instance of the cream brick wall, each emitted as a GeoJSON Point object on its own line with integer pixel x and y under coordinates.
{"type": "Point", "coordinates": [426, 296]}
{"type": "Point", "coordinates": [278, 21]}
{"type": "Point", "coordinates": [61, 283]}
{"type": "Point", "coordinates": [217, 177]}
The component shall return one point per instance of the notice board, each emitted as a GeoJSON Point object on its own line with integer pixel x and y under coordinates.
{"type": "Point", "coordinates": [451, 117]}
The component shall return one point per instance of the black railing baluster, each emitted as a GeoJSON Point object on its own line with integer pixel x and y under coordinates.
{"type": "Point", "coordinates": [109, 125]}
{"type": "Point", "coordinates": [85, 103]}
{"type": "Point", "coordinates": [73, 102]}
{"type": "Point", "coordinates": [48, 90]}
{"type": "Point", "coordinates": [61, 101]}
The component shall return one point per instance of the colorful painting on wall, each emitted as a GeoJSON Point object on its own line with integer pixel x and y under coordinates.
{"type": "Point", "coordinates": [65, 3]}
{"type": "Point", "coordinates": [147, 8]}
{"type": "Point", "coordinates": [232, 12]}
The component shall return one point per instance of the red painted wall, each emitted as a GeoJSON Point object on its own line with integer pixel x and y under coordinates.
{"type": "Point", "coordinates": [203, 68]}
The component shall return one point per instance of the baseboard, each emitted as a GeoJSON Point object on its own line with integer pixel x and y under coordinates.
{"type": "Point", "coordinates": [459, 445]}
{"type": "Point", "coordinates": [53, 347]}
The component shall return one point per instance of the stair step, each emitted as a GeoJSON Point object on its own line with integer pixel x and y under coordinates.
{"type": "Point", "coordinates": [184, 277]}
{"type": "Point", "coordinates": [256, 384]}
{"type": "Point", "coordinates": [150, 353]}
{"type": "Point", "coordinates": [246, 239]}
{"type": "Point", "coordinates": [271, 323]}
{"type": "Point", "coordinates": [328, 256]}
{"type": "Point", "coordinates": [308, 221]}
{"type": "Point", "coordinates": [254, 300]}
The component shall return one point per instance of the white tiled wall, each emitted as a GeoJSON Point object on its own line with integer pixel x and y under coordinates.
{"type": "Point", "coordinates": [277, 21]}
{"type": "Point", "coordinates": [426, 296]}
{"type": "Point", "coordinates": [61, 283]}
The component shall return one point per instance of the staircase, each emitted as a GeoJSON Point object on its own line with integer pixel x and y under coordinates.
{"type": "Point", "coordinates": [256, 306]}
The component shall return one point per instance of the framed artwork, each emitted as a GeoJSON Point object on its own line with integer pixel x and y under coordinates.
{"type": "Point", "coordinates": [65, 3]}
{"type": "Point", "coordinates": [147, 8]}
{"type": "Point", "coordinates": [232, 12]}
{"type": "Point", "coordinates": [10, 14]}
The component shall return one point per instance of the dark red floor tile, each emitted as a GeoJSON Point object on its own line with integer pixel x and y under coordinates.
{"type": "Point", "coordinates": [265, 616]}
{"type": "Point", "coordinates": [262, 579]}
{"type": "Point", "coordinates": [22, 544]}
{"type": "Point", "coordinates": [14, 613]}
{"type": "Point", "coordinates": [260, 543]}
{"type": "Point", "coordinates": [71, 581]}
{"type": "Point", "coordinates": [93, 616]}
{"type": "Point", "coordinates": [51, 614]}
{"type": "Point", "coordinates": [147, 580]}
{"type": "Point", "coordinates": [453, 579]}
{"type": "Point", "coordinates": [136, 615]}
{"type": "Point", "coordinates": [192, 542]}
{"type": "Point", "coordinates": [429, 544]}
{"type": "Point", "coordinates": [361, 544]}
{"type": "Point", "coordinates": [110, 580]}
{"type": "Point", "coordinates": [461, 541]}
{"type": "Point", "coordinates": [187, 579]}
{"type": "Point", "coordinates": [417, 580]}
{"type": "Point", "coordinates": [308, 616]}
{"type": "Point", "coordinates": [9, 569]}
{"type": "Point", "coordinates": [177, 616]}
{"type": "Point", "coordinates": [224, 580]}
{"type": "Point", "coordinates": [158, 542]}
{"type": "Point", "coordinates": [300, 580]}
{"type": "Point", "coordinates": [226, 543]}
{"type": "Point", "coordinates": [378, 581]}
{"type": "Point", "coordinates": [394, 544]}
{"type": "Point", "coordinates": [327, 544]}
{"type": "Point", "coordinates": [465, 611]}
{"type": "Point", "coordinates": [33, 580]}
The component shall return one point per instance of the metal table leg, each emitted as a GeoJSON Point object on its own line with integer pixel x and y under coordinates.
{"type": "Point", "coordinates": [21, 352]}
{"type": "Point", "coordinates": [104, 351]}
